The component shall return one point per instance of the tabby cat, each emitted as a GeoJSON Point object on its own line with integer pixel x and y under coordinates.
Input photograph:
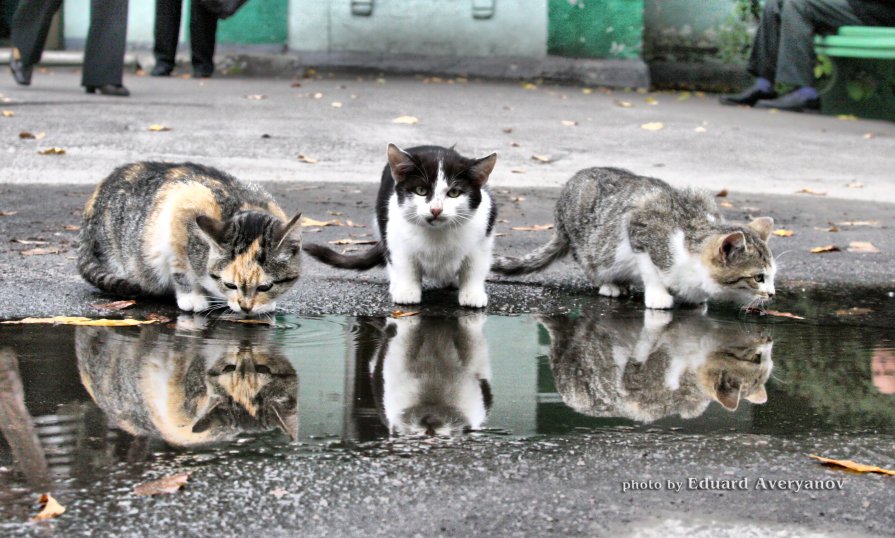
{"type": "Point", "coordinates": [655, 366]}
{"type": "Point", "coordinates": [623, 229]}
{"type": "Point", "coordinates": [187, 387]}
{"type": "Point", "coordinates": [154, 228]}
{"type": "Point", "coordinates": [436, 219]}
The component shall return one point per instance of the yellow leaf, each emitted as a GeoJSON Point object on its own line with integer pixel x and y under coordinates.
{"type": "Point", "coordinates": [351, 224]}
{"type": "Point", "coordinates": [653, 126]}
{"type": "Point", "coordinates": [306, 159]}
{"type": "Point", "coordinates": [529, 86]}
{"type": "Point", "coordinates": [158, 127]}
{"type": "Point", "coordinates": [406, 120]}
{"type": "Point", "coordinates": [783, 233]}
{"type": "Point", "coordinates": [52, 151]}
{"type": "Point", "coordinates": [700, 129]}
{"type": "Point", "coordinates": [725, 204]}
{"type": "Point", "coordinates": [336, 104]}
{"type": "Point", "coordinates": [8, 113]}
{"type": "Point", "coordinates": [624, 104]}
{"type": "Point", "coordinates": [683, 96]}
{"type": "Point", "coordinates": [71, 228]}
{"type": "Point", "coordinates": [542, 158]}
{"type": "Point", "coordinates": [51, 508]}
{"type": "Point", "coordinates": [534, 228]}
{"type": "Point", "coordinates": [846, 117]}
{"type": "Point", "coordinates": [825, 248]}
{"type": "Point", "coordinates": [168, 484]}
{"type": "Point", "coordinates": [853, 466]}
{"type": "Point", "coordinates": [587, 91]}
{"type": "Point", "coordinates": [855, 185]}
{"type": "Point", "coordinates": [811, 192]}
{"type": "Point", "coordinates": [651, 101]}
{"type": "Point", "coordinates": [307, 221]}
{"type": "Point", "coordinates": [859, 223]}
{"type": "Point", "coordinates": [67, 320]}
{"type": "Point", "coordinates": [865, 247]}
{"type": "Point", "coordinates": [403, 314]}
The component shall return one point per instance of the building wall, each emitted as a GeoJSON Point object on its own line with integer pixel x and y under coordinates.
{"type": "Point", "coordinates": [596, 28]}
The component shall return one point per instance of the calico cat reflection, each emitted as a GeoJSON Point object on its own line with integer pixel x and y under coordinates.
{"type": "Point", "coordinates": [188, 387]}
{"type": "Point", "coordinates": [650, 368]}
{"type": "Point", "coordinates": [431, 375]}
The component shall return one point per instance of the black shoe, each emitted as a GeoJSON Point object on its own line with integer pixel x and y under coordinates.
{"type": "Point", "coordinates": [162, 70]}
{"type": "Point", "coordinates": [791, 102]}
{"type": "Point", "coordinates": [203, 71]}
{"type": "Point", "coordinates": [20, 71]}
{"type": "Point", "coordinates": [109, 89]}
{"type": "Point", "coordinates": [747, 97]}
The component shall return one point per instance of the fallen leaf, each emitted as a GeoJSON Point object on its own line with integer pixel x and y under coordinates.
{"type": "Point", "coordinates": [518, 199]}
{"type": "Point", "coordinates": [52, 151]}
{"type": "Point", "coordinates": [846, 117]}
{"type": "Point", "coordinates": [529, 86]}
{"type": "Point", "coordinates": [533, 228]}
{"type": "Point", "coordinates": [41, 251]}
{"type": "Point", "coordinates": [403, 314]}
{"type": "Point", "coordinates": [783, 233]}
{"type": "Point", "coordinates": [8, 113]}
{"type": "Point", "coordinates": [295, 84]}
{"type": "Point", "coordinates": [587, 91]}
{"type": "Point", "coordinates": [71, 228]}
{"type": "Point", "coordinates": [67, 320]}
{"type": "Point", "coordinates": [25, 135]}
{"type": "Point", "coordinates": [721, 194]}
{"type": "Point", "coordinates": [773, 313]}
{"type": "Point", "coordinates": [825, 248]}
{"type": "Point", "coordinates": [569, 123]}
{"type": "Point", "coordinates": [515, 144]}
{"type": "Point", "coordinates": [351, 224]}
{"type": "Point", "coordinates": [158, 127]}
{"type": "Point", "coordinates": [865, 247]}
{"type": "Point", "coordinates": [853, 311]}
{"type": "Point", "coordinates": [855, 185]}
{"type": "Point", "coordinates": [353, 242]}
{"type": "Point", "coordinates": [651, 101]}
{"type": "Point", "coordinates": [653, 126]}
{"type": "Point", "coordinates": [336, 213]}
{"type": "Point", "coordinates": [306, 159]}
{"type": "Point", "coordinates": [542, 158]}
{"type": "Point", "coordinates": [869, 136]}
{"type": "Point", "coordinates": [159, 318]}
{"type": "Point", "coordinates": [29, 242]}
{"type": "Point", "coordinates": [683, 96]}
{"type": "Point", "coordinates": [168, 484]}
{"type": "Point", "coordinates": [307, 221]}
{"type": "Point", "coordinates": [336, 104]}
{"type": "Point", "coordinates": [51, 508]}
{"type": "Point", "coordinates": [7, 213]}
{"type": "Point", "coordinates": [317, 95]}
{"type": "Point", "coordinates": [852, 466]}
{"type": "Point", "coordinates": [726, 204]}
{"type": "Point", "coordinates": [406, 120]}
{"type": "Point", "coordinates": [832, 228]}
{"type": "Point", "coordinates": [860, 223]}
{"type": "Point", "coordinates": [811, 192]}
{"type": "Point", "coordinates": [256, 97]}
{"type": "Point", "coordinates": [114, 305]}
{"type": "Point", "coordinates": [507, 130]}
{"type": "Point", "coordinates": [517, 170]}
{"type": "Point", "coordinates": [624, 104]}
{"type": "Point", "coordinates": [700, 129]}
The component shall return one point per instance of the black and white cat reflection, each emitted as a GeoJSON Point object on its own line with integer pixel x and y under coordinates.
{"type": "Point", "coordinates": [189, 386]}
{"type": "Point", "coordinates": [656, 366]}
{"type": "Point", "coordinates": [430, 375]}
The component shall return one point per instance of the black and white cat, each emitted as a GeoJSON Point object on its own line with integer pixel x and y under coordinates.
{"type": "Point", "coordinates": [435, 217]}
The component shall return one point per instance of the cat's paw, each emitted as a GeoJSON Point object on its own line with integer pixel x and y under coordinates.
{"type": "Point", "coordinates": [653, 319]}
{"type": "Point", "coordinates": [191, 302]}
{"type": "Point", "coordinates": [473, 321]}
{"type": "Point", "coordinates": [407, 295]}
{"type": "Point", "coordinates": [658, 298]}
{"type": "Point", "coordinates": [611, 290]}
{"type": "Point", "coordinates": [474, 298]}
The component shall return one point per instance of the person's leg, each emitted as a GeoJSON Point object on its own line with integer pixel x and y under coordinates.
{"type": "Point", "coordinates": [106, 40]}
{"type": "Point", "coordinates": [30, 26]}
{"type": "Point", "coordinates": [167, 32]}
{"type": "Point", "coordinates": [203, 30]}
{"type": "Point", "coordinates": [763, 59]}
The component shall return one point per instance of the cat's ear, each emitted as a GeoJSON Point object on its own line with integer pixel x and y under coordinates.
{"type": "Point", "coordinates": [762, 226]}
{"type": "Point", "coordinates": [212, 229]}
{"type": "Point", "coordinates": [732, 246]}
{"type": "Point", "coordinates": [759, 396]}
{"type": "Point", "coordinates": [290, 233]}
{"type": "Point", "coordinates": [727, 396]}
{"type": "Point", "coordinates": [481, 170]}
{"type": "Point", "coordinates": [399, 162]}
{"type": "Point", "coordinates": [289, 426]}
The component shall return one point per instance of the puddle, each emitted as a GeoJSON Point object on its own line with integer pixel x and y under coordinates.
{"type": "Point", "coordinates": [81, 404]}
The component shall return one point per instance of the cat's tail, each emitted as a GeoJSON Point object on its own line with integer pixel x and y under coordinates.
{"type": "Point", "coordinates": [537, 260]}
{"type": "Point", "coordinates": [362, 262]}
{"type": "Point", "coordinates": [94, 271]}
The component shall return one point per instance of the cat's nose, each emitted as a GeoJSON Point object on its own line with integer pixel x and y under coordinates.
{"type": "Point", "coordinates": [436, 211]}
{"type": "Point", "coordinates": [770, 295]}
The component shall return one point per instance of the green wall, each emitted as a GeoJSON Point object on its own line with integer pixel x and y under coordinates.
{"type": "Point", "coordinates": [595, 28]}
{"type": "Point", "coordinates": [258, 22]}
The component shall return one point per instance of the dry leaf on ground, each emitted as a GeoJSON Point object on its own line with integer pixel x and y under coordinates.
{"type": "Point", "coordinates": [159, 318]}
{"type": "Point", "coordinates": [336, 104]}
{"type": "Point", "coordinates": [336, 213]}
{"type": "Point", "coordinates": [852, 466]}
{"type": "Point", "coordinates": [624, 104]}
{"type": "Point", "coordinates": [517, 170]}
{"type": "Point", "coordinates": [114, 305]}
{"type": "Point", "coordinates": [8, 113]}
{"type": "Point", "coordinates": [534, 228]}
{"type": "Point", "coordinates": [683, 96]}
{"type": "Point", "coordinates": [853, 311]}
{"type": "Point", "coordinates": [846, 117]}
{"type": "Point", "coordinates": [507, 130]}
{"type": "Point", "coordinates": [700, 129]}
{"type": "Point", "coordinates": [783, 233]}
{"type": "Point", "coordinates": [721, 194]}
{"type": "Point", "coordinates": [824, 249]}
{"type": "Point", "coordinates": [256, 97]}
{"type": "Point", "coordinates": [529, 86]}
{"type": "Point", "coordinates": [307, 221]}
{"type": "Point", "coordinates": [51, 508]}
{"type": "Point", "coordinates": [726, 204]}
{"type": "Point", "coordinates": [41, 251]}
{"type": "Point", "coordinates": [653, 126]}
{"type": "Point", "coordinates": [855, 185]}
{"type": "Point", "coordinates": [71, 228]}
{"type": "Point", "coordinates": [25, 135]}
{"type": "Point", "coordinates": [7, 213]}
{"type": "Point", "coordinates": [865, 247]}
{"type": "Point", "coordinates": [406, 120]}
{"type": "Point", "coordinates": [168, 484]}
{"type": "Point", "coordinates": [279, 493]}
{"type": "Point", "coordinates": [587, 91]}
{"type": "Point", "coordinates": [77, 320]}
{"type": "Point", "coordinates": [811, 192]}
{"type": "Point", "coordinates": [30, 242]}
{"type": "Point", "coordinates": [542, 158]}
{"type": "Point", "coordinates": [306, 159]}
{"type": "Point", "coordinates": [860, 223]}
{"type": "Point", "coordinates": [351, 224]}
{"type": "Point", "coordinates": [773, 313]}
{"type": "Point", "coordinates": [353, 242]}
{"type": "Point", "coordinates": [569, 123]}
{"type": "Point", "coordinates": [403, 314]}
{"type": "Point", "coordinates": [651, 100]}
{"type": "Point", "coordinates": [158, 127]}
{"type": "Point", "coordinates": [52, 151]}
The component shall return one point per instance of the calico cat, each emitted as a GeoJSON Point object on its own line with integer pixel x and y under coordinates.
{"type": "Point", "coordinates": [623, 229]}
{"type": "Point", "coordinates": [154, 228]}
{"type": "Point", "coordinates": [657, 366]}
{"type": "Point", "coordinates": [187, 388]}
{"type": "Point", "coordinates": [431, 375]}
{"type": "Point", "coordinates": [435, 218]}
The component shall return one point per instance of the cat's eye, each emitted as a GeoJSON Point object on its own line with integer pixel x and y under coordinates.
{"type": "Point", "coordinates": [230, 286]}
{"type": "Point", "coordinates": [421, 191]}
{"type": "Point", "coordinates": [262, 369]}
{"type": "Point", "coordinates": [229, 368]}
{"type": "Point", "coordinates": [453, 193]}
{"type": "Point", "coordinates": [215, 277]}
{"type": "Point", "coordinates": [758, 278]}
{"type": "Point", "coordinates": [265, 287]}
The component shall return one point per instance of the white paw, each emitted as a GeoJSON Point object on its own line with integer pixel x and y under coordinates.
{"type": "Point", "coordinates": [610, 290]}
{"type": "Point", "coordinates": [191, 302]}
{"type": "Point", "coordinates": [474, 298]}
{"type": "Point", "coordinates": [407, 295]}
{"type": "Point", "coordinates": [656, 320]}
{"type": "Point", "coordinates": [658, 298]}
{"type": "Point", "coordinates": [473, 321]}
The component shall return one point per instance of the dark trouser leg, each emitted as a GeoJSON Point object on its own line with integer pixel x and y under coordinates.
{"type": "Point", "coordinates": [765, 46]}
{"type": "Point", "coordinates": [800, 20]}
{"type": "Point", "coordinates": [30, 26]}
{"type": "Point", "coordinates": [167, 31]}
{"type": "Point", "coordinates": [203, 27]}
{"type": "Point", "coordinates": [106, 39]}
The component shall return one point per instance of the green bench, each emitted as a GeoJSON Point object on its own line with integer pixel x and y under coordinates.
{"type": "Point", "coordinates": [863, 72]}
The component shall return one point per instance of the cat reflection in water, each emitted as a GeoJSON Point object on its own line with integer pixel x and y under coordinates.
{"type": "Point", "coordinates": [188, 387]}
{"type": "Point", "coordinates": [430, 375]}
{"type": "Point", "coordinates": [650, 368]}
